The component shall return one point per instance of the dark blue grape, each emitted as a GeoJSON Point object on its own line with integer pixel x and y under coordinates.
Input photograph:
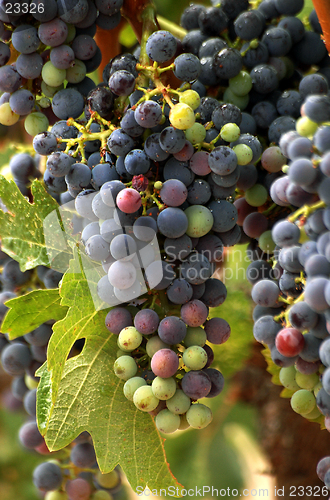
{"type": "Point", "coordinates": [47, 476]}
{"type": "Point", "coordinates": [68, 103]}
{"type": "Point", "coordinates": [161, 46]}
{"type": "Point", "coordinates": [227, 63]}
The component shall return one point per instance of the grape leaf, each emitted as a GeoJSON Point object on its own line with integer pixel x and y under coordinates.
{"type": "Point", "coordinates": [236, 310]}
{"type": "Point", "coordinates": [21, 226]}
{"type": "Point", "coordinates": [86, 395]}
{"type": "Point", "coordinates": [29, 311]}
{"type": "Point", "coordinates": [90, 397]}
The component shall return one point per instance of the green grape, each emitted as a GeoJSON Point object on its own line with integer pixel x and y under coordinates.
{"type": "Point", "coordinates": [131, 385]}
{"type": "Point", "coordinates": [230, 132]}
{"type": "Point", "coordinates": [144, 399]}
{"type": "Point", "coordinates": [240, 101]}
{"type": "Point", "coordinates": [195, 336]}
{"type": "Point", "coordinates": [200, 221]}
{"type": "Point", "coordinates": [306, 127]}
{"type": "Point", "coordinates": [182, 116]}
{"type": "Point", "coordinates": [244, 154]}
{"type": "Point", "coordinates": [56, 495]}
{"type": "Point", "coordinates": [266, 242]}
{"type": "Point", "coordinates": [307, 381]}
{"type": "Point", "coordinates": [71, 33]}
{"type": "Point", "coordinates": [30, 382]}
{"type": "Point", "coordinates": [125, 367]}
{"type": "Point", "coordinates": [303, 401]}
{"type": "Point", "coordinates": [196, 133]}
{"type": "Point", "coordinates": [7, 116]}
{"type": "Point", "coordinates": [167, 422]}
{"type": "Point", "coordinates": [199, 416]}
{"type": "Point", "coordinates": [183, 423]}
{"type": "Point", "coordinates": [158, 185]}
{"type": "Point", "coordinates": [49, 91]}
{"type": "Point", "coordinates": [179, 403]}
{"type": "Point", "coordinates": [190, 97]}
{"type": "Point", "coordinates": [194, 357]}
{"type": "Point", "coordinates": [44, 102]}
{"type": "Point", "coordinates": [129, 339]}
{"type": "Point", "coordinates": [315, 413]}
{"type": "Point", "coordinates": [35, 123]}
{"type": "Point", "coordinates": [241, 84]}
{"type": "Point", "coordinates": [77, 73]}
{"type": "Point", "coordinates": [256, 196]}
{"type": "Point", "coordinates": [163, 388]}
{"type": "Point", "coordinates": [285, 169]}
{"type": "Point", "coordinates": [52, 76]}
{"type": "Point", "coordinates": [101, 495]}
{"type": "Point", "coordinates": [155, 344]}
{"type": "Point", "coordinates": [288, 378]}
{"type": "Point", "coordinates": [109, 480]}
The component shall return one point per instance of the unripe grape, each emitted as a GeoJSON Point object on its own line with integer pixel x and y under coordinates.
{"type": "Point", "coordinates": [199, 416]}
{"type": "Point", "coordinates": [167, 422]}
{"type": "Point", "coordinates": [190, 97]}
{"type": "Point", "coordinates": [194, 357]}
{"type": "Point", "coordinates": [303, 401]}
{"type": "Point", "coordinates": [129, 339]}
{"type": "Point", "coordinates": [163, 388]}
{"type": "Point", "coordinates": [179, 403]}
{"type": "Point", "coordinates": [131, 385]}
{"type": "Point", "coordinates": [125, 367]}
{"type": "Point", "coordinates": [196, 133]}
{"type": "Point", "coordinates": [7, 116]}
{"type": "Point", "coordinates": [200, 221]}
{"type": "Point", "coordinates": [244, 154]}
{"type": "Point", "coordinates": [230, 132]}
{"type": "Point", "coordinates": [144, 399]}
{"type": "Point", "coordinates": [182, 116]}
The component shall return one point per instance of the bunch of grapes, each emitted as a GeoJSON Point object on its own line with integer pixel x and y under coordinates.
{"type": "Point", "coordinates": [55, 49]}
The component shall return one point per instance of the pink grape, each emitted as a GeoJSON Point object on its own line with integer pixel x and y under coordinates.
{"type": "Point", "coordinates": [128, 200]}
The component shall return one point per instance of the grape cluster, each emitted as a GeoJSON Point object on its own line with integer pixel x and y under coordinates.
{"type": "Point", "coordinates": [291, 288]}
{"type": "Point", "coordinates": [56, 50]}
{"type": "Point", "coordinates": [20, 359]}
{"type": "Point", "coordinates": [161, 179]}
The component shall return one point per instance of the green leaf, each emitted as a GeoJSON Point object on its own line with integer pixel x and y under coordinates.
{"type": "Point", "coordinates": [86, 395]}
{"type": "Point", "coordinates": [31, 310]}
{"type": "Point", "coordinates": [21, 226]}
{"type": "Point", "coordinates": [83, 319]}
{"type": "Point", "coordinates": [44, 399]}
{"type": "Point", "coordinates": [91, 398]}
{"type": "Point", "coordinates": [236, 309]}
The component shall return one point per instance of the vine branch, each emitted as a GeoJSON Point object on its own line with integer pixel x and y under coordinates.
{"type": "Point", "coordinates": [322, 8]}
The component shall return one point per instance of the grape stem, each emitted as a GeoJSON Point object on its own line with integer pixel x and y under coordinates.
{"type": "Point", "coordinates": [285, 314]}
{"type": "Point", "coordinates": [86, 135]}
{"type": "Point", "coordinates": [306, 211]}
{"type": "Point", "coordinates": [173, 28]}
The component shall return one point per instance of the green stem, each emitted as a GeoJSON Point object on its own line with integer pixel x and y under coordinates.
{"type": "Point", "coordinates": [149, 26]}
{"type": "Point", "coordinates": [173, 28]}
{"type": "Point", "coordinates": [306, 211]}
